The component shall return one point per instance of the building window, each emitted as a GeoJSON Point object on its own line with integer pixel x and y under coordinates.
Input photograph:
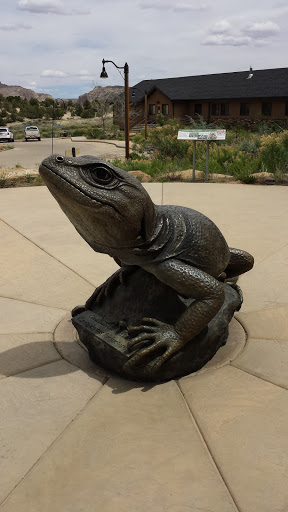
{"type": "Point", "coordinates": [158, 109]}
{"type": "Point", "coordinates": [198, 108]}
{"type": "Point", "coordinates": [244, 109]}
{"type": "Point", "coordinates": [165, 109]}
{"type": "Point", "coordinates": [220, 109]}
{"type": "Point", "coordinates": [266, 108]}
{"type": "Point", "coordinates": [152, 109]}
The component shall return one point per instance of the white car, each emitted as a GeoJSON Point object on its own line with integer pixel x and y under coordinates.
{"type": "Point", "coordinates": [6, 135]}
{"type": "Point", "coordinates": [32, 132]}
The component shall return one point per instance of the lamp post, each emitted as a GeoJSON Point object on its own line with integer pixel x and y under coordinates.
{"type": "Point", "coordinates": [145, 108]}
{"type": "Point", "coordinates": [126, 83]}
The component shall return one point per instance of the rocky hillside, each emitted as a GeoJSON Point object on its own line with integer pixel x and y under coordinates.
{"type": "Point", "coordinates": [16, 90]}
{"type": "Point", "coordinates": [101, 93]}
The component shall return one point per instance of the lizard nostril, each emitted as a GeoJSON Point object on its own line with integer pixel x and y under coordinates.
{"type": "Point", "coordinates": [59, 158]}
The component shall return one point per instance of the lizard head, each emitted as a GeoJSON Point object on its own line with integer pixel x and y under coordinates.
{"type": "Point", "coordinates": [106, 205]}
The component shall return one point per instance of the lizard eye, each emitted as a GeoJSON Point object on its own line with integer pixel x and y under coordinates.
{"type": "Point", "coordinates": [101, 175]}
{"type": "Point", "coordinates": [98, 174]}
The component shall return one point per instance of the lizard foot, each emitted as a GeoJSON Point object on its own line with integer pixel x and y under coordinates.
{"type": "Point", "coordinates": [162, 340]}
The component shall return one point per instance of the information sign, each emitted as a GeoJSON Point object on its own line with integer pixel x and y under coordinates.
{"type": "Point", "coordinates": [201, 134]}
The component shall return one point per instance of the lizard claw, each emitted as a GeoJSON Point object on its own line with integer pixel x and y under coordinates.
{"type": "Point", "coordinates": [158, 339]}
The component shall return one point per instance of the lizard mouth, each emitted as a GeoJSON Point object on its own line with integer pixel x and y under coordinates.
{"type": "Point", "coordinates": [53, 178]}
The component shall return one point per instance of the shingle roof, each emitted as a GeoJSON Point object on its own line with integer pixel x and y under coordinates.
{"type": "Point", "coordinates": [265, 83]}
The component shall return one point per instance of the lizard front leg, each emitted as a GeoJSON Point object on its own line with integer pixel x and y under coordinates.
{"type": "Point", "coordinates": [188, 281]}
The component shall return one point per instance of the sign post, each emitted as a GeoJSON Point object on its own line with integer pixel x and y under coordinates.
{"type": "Point", "coordinates": [194, 156]}
{"type": "Point", "coordinates": [200, 135]}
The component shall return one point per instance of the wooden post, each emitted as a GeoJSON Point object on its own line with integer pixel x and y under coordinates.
{"type": "Point", "coordinates": [207, 161]}
{"type": "Point", "coordinates": [145, 115]}
{"type": "Point", "coordinates": [194, 157]}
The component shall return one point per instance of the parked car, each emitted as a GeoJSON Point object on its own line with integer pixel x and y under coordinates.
{"type": "Point", "coordinates": [32, 132]}
{"type": "Point", "coordinates": [6, 135]}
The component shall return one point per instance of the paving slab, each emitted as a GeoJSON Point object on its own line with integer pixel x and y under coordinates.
{"type": "Point", "coordinates": [22, 317]}
{"type": "Point", "coordinates": [266, 285]}
{"type": "Point", "coordinates": [36, 406]}
{"type": "Point", "coordinates": [244, 421]}
{"type": "Point", "coordinates": [251, 217]}
{"type": "Point", "coordinates": [267, 359]}
{"type": "Point", "coordinates": [271, 324]}
{"type": "Point", "coordinates": [68, 345]}
{"type": "Point", "coordinates": [30, 274]}
{"type": "Point", "coordinates": [40, 219]}
{"type": "Point", "coordinates": [21, 352]}
{"type": "Point", "coordinates": [130, 449]}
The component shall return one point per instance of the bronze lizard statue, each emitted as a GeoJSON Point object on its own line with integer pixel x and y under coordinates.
{"type": "Point", "coordinates": [181, 247]}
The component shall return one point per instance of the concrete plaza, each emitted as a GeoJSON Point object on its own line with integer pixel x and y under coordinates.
{"type": "Point", "coordinates": [74, 438]}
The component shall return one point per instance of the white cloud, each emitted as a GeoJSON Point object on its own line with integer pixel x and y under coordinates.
{"type": "Point", "coordinates": [259, 30]}
{"type": "Point", "coordinates": [84, 75]}
{"type": "Point", "coordinates": [221, 27]}
{"type": "Point", "coordinates": [53, 73]}
{"type": "Point", "coordinates": [48, 6]}
{"type": "Point", "coordinates": [224, 33]}
{"type": "Point", "coordinates": [175, 6]}
{"type": "Point", "coordinates": [41, 6]}
{"type": "Point", "coordinates": [154, 5]}
{"type": "Point", "coordinates": [83, 72]}
{"type": "Point", "coordinates": [226, 40]}
{"type": "Point", "coordinates": [182, 6]}
{"type": "Point", "coordinates": [15, 26]}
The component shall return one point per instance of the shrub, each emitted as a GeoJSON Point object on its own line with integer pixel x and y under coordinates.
{"type": "Point", "coordinates": [160, 119]}
{"type": "Point", "coordinates": [274, 152]}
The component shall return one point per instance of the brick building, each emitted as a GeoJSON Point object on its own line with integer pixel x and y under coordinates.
{"type": "Point", "coordinates": [244, 96]}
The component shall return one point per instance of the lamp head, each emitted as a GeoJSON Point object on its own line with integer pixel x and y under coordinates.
{"type": "Point", "coordinates": [103, 72]}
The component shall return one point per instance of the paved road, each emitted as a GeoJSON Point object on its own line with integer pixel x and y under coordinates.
{"type": "Point", "coordinates": [30, 154]}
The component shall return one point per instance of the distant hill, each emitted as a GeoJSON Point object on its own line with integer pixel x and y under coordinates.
{"type": "Point", "coordinates": [101, 93]}
{"type": "Point", "coordinates": [17, 90]}
{"type": "Point", "coordinates": [98, 93]}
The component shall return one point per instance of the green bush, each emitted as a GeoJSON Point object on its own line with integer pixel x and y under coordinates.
{"type": "Point", "coordinates": [274, 152]}
{"type": "Point", "coordinates": [160, 119]}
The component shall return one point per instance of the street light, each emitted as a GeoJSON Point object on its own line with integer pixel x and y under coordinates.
{"type": "Point", "coordinates": [126, 83]}
{"type": "Point", "coordinates": [145, 107]}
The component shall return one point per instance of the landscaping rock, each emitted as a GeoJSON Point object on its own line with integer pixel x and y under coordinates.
{"type": "Point", "coordinates": [199, 175]}
{"type": "Point", "coordinates": [17, 172]}
{"type": "Point", "coordinates": [181, 175]}
{"type": "Point", "coordinates": [221, 177]}
{"type": "Point", "coordinates": [142, 176]}
{"type": "Point", "coordinates": [260, 177]}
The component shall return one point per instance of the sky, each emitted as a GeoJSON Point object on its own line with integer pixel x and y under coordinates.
{"type": "Point", "coordinates": [57, 46]}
